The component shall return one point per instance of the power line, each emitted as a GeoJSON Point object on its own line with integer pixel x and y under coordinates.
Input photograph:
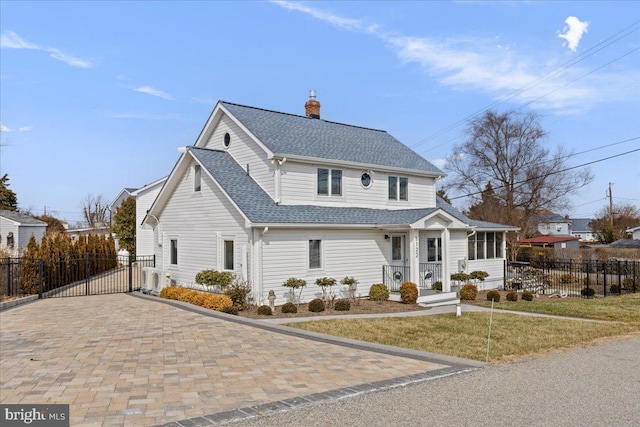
{"type": "Point", "coordinates": [550, 173]}
{"type": "Point", "coordinates": [589, 52]}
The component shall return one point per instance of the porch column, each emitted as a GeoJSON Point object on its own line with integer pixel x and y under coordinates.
{"type": "Point", "coordinates": [446, 274]}
{"type": "Point", "coordinates": [414, 256]}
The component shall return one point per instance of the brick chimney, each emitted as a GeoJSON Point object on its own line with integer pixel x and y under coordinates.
{"type": "Point", "coordinates": [312, 106]}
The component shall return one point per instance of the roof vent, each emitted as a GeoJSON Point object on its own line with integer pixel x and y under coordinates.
{"type": "Point", "coordinates": [312, 106]}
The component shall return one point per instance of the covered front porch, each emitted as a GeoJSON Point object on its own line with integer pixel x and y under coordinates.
{"type": "Point", "coordinates": [430, 283]}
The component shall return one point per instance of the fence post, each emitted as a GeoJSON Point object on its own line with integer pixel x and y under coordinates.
{"type": "Point", "coordinates": [87, 273]}
{"type": "Point", "coordinates": [604, 274]}
{"type": "Point", "coordinates": [9, 268]}
{"type": "Point", "coordinates": [588, 279]}
{"type": "Point", "coordinates": [40, 279]}
{"type": "Point", "coordinates": [131, 274]}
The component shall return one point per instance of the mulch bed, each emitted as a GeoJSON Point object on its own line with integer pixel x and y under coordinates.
{"type": "Point", "coordinates": [361, 306]}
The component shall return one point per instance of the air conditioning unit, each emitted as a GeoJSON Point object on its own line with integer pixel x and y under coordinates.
{"type": "Point", "coordinates": [153, 280]}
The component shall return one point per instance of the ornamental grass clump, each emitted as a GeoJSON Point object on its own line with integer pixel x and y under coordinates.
{"type": "Point", "coordinates": [409, 293]}
{"type": "Point", "coordinates": [212, 302]}
{"type": "Point", "coordinates": [378, 292]}
{"type": "Point", "coordinates": [316, 305]}
{"type": "Point", "coordinates": [469, 292]}
{"type": "Point", "coordinates": [494, 296]}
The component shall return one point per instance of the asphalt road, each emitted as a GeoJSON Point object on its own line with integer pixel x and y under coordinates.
{"type": "Point", "coordinates": [598, 385]}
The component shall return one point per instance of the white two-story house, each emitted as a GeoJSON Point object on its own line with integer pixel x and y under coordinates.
{"type": "Point", "coordinates": [269, 196]}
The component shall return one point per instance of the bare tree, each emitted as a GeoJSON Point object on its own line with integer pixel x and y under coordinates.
{"type": "Point", "coordinates": [95, 211]}
{"type": "Point", "coordinates": [504, 157]}
{"type": "Point", "coordinates": [623, 217]}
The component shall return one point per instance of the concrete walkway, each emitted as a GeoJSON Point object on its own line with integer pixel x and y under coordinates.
{"type": "Point", "coordinates": [124, 360]}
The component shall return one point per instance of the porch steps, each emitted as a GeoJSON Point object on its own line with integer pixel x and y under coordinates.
{"type": "Point", "coordinates": [431, 299]}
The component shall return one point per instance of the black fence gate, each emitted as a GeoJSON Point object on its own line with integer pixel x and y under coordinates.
{"type": "Point", "coordinates": [68, 277]}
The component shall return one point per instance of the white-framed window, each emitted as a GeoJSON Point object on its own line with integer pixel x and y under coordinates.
{"type": "Point", "coordinates": [329, 182]}
{"type": "Point", "coordinates": [398, 188]}
{"type": "Point", "coordinates": [197, 178]}
{"type": "Point", "coordinates": [228, 255]}
{"type": "Point", "coordinates": [173, 251]}
{"type": "Point", "coordinates": [486, 245]}
{"type": "Point", "coordinates": [315, 254]}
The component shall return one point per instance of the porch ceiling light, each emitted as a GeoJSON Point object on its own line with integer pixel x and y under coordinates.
{"type": "Point", "coordinates": [386, 237]}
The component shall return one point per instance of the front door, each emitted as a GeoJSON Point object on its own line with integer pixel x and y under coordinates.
{"type": "Point", "coordinates": [398, 250]}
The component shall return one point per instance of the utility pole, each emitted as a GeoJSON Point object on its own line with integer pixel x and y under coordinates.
{"type": "Point", "coordinates": [610, 194]}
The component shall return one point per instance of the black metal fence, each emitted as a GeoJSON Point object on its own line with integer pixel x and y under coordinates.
{"type": "Point", "coordinates": [394, 275]}
{"type": "Point", "coordinates": [574, 278]}
{"type": "Point", "coordinates": [62, 277]}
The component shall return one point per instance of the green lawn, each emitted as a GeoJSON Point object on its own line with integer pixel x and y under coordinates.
{"type": "Point", "coordinates": [512, 336]}
{"type": "Point", "coordinates": [624, 308]}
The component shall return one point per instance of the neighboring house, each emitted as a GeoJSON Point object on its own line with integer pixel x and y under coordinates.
{"type": "Point", "coordinates": [553, 224]}
{"type": "Point", "coordinates": [99, 229]}
{"type": "Point", "coordinates": [580, 228]}
{"type": "Point", "coordinates": [635, 232]}
{"type": "Point", "coordinates": [16, 229]}
{"type": "Point", "coordinates": [269, 196]}
{"type": "Point", "coordinates": [144, 199]}
{"type": "Point", "coordinates": [556, 242]}
{"type": "Point", "coordinates": [121, 197]}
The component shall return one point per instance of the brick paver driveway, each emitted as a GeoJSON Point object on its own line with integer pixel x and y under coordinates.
{"type": "Point", "coordinates": [120, 360]}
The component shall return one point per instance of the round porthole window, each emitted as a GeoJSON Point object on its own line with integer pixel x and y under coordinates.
{"type": "Point", "coordinates": [227, 140]}
{"type": "Point", "coordinates": [365, 179]}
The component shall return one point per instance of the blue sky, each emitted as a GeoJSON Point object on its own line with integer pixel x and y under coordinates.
{"type": "Point", "coordinates": [97, 96]}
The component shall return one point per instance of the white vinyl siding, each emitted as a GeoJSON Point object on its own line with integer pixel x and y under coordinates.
{"type": "Point", "coordinates": [299, 187]}
{"type": "Point", "coordinates": [357, 253]}
{"type": "Point", "coordinates": [145, 235]}
{"type": "Point", "coordinates": [199, 222]}
{"type": "Point", "coordinates": [245, 152]}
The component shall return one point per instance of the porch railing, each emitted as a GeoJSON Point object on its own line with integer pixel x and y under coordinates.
{"type": "Point", "coordinates": [394, 275]}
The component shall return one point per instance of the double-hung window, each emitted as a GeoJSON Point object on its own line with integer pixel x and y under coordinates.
{"type": "Point", "coordinates": [434, 249]}
{"type": "Point", "coordinates": [329, 182]}
{"type": "Point", "coordinates": [398, 188]}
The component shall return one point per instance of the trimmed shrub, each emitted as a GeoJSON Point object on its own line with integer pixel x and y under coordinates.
{"type": "Point", "coordinates": [214, 278]}
{"type": "Point", "coordinates": [187, 295]}
{"type": "Point", "coordinates": [238, 292]}
{"type": "Point", "coordinates": [437, 286]}
{"type": "Point", "coordinates": [231, 310]}
{"type": "Point", "coordinates": [627, 284]}
{"type": "Point", "coordinates": [217, 302]}
{"type": "Point", "coordinates": [289, 307]}
{"type": "Point", "coordinates": [170, 292]}
{"type": "Point", "coordinates": [588, 292]}
{"type": "Point", "coordinates": [342, 305]}
{"type": "Point", "coordinates": [469, 292]}
{"type": "Point", "coordinates": [494, 296]}
{"type": "Point", "coordinates": [378, 292]}
{"type": "Point", "coordinates": [527, 296]}
{"type": "Point", "coordinates": [512, 296]}
{"type": "Point", "coordinates": [614, 289]}
{"type": "Point", "coordinates": [293, 284]}
{"type": "Point", "coordinates": [565, 279]}
{"type": "Point", "coordinates": [264, 310]}
{"type": "Point", "coordinates": [478, 275]}
{"type": "Point", "coordinates": [316, 305]}
{"type": "Point", "coordinates": [409, 293]}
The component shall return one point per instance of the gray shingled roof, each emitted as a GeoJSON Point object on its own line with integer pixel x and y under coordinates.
{"type": "Point", "coordinates": [259, 207]}
{"type": "Point", "coordinates": [291, 135]}
{"type": "Point", "coordinates": [580, 224]}
{"type": "Point", "coordinates": [23, 219]}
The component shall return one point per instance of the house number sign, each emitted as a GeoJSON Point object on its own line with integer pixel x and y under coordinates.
{"type": "Point", "coordinates": [417, 240]}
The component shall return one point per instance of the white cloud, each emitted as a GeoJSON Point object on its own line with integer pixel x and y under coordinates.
{"type": "Point", "coordinates": [24, 129]}
{"type": "Point", "coordinates": [3, 128]}
{"type": "Point", "coordinates": [573, 32]}
{"type": "Point", "coordinates": [11, 40]}
{"type": "Point", "coordinates": [495, 68]}
{"type": "Point", "coordinates": [440, 163]}
{"type": "Point", "coordinates": [153, 92]}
